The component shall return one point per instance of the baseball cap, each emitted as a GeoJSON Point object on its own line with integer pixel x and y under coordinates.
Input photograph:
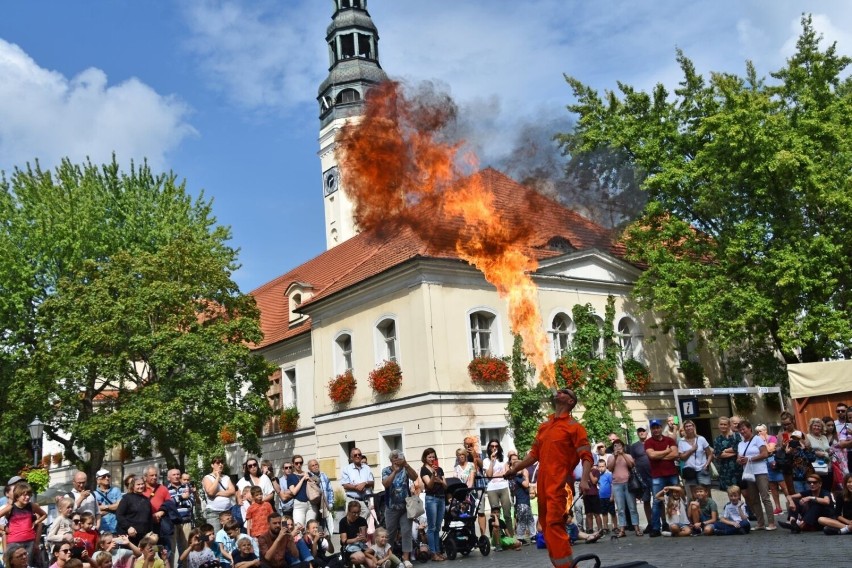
{"type": "Point", "coordinates": [640, 429]}
{"type": "Point", "coordinates": [797, 434]}
{"type": "Point", "coordinates": [14, 479]}
{"type": "Point", "coordinates": [101, 473]}
{"type": "Point", "coordinates": [656, 423]}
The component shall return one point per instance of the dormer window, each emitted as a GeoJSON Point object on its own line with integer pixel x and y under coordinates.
{"type": "Point", "coordinates": [348, 96]}
{"type": "Point", "coordinates": [297, 294]}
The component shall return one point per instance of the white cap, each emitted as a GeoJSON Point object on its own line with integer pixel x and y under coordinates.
{"type": "Point", "coordinates": [101, 473]}
{"type": "Point", "coordinates": [797, 434]}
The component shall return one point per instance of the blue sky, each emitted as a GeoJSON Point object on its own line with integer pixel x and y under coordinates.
{"type": "Point", "coordinates": [222, 92]}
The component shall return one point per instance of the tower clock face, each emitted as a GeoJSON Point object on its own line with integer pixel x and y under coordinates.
{"type": "Point", "coordinates": [330, 180]}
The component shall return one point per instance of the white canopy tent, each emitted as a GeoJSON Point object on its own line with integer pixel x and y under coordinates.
{"type": "Point", "coordinates": [822, 378]}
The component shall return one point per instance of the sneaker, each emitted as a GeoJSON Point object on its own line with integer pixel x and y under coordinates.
{"type": "Point", "coordinates": [718, 532]}
{"type": "Point", "coordinates": [654, 534]}
{"type": "Point", "coordinates": [666, 533]}
{"type": "Point", "coordinates": [407, 564]}
{"type": "Point", "coordinates": [777, 511]}
{"type": "Point", "coordinates": [741, 530]}
{"type": "Point", "coordinates": [830, 531]}
{"type": "Point", "coordinates": [498, 549]}
{"type": "Point", "coordinates": [696, 531]}
{"type": "Point", "coordinates": [772, 528]}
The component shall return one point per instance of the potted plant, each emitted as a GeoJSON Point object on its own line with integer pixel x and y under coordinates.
{"type": "Point", "coordinates": [341, 388]}
{"type": "Point", "coordinates": [227, 434]}
{"type": "Point", "coordinates": [386, 379]}
{"type": "Point", "coordinates": [568, 373]}
{"type": "Point", "coordinates": [37, 477]}
{"type": "Point", "coordinates": [636, 375]}
{"type": "Point", "coordinates": [289, 419]}
{"type": "Point", "coordinates": [488, 370]}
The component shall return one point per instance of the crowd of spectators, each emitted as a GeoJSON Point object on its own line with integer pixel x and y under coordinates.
{"type": "Point", "coordinates": [269, 520]}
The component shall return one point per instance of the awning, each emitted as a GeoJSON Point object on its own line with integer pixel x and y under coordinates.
{"type": "Point", "coordinates": [824, 377]}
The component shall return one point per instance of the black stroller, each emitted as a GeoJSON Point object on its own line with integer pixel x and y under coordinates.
{"type": "Point", "coordinates": [459, 531]}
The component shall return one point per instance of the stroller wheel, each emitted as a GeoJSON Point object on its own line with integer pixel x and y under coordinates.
{"type": "Point", "coordinates": [484, 545]}
{"type": "Point", "coordinates": [450, 548]}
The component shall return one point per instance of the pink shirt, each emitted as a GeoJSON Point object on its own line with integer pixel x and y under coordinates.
{"type": "Point", "coordinates": [620, 472]}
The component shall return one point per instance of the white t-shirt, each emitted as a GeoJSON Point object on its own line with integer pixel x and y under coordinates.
{"type": "Point", "coordinates": [219, 503]}
{"type": "Point", "coordinates": [734, 512]}
{"type": "Point", "coordinates": [751, 449]}
{"type": "Point", "coordinates": [699, 459]}
{"type": "Point", "coordinates": [265, 485]}
{"type": "Point", "coordinates": [500, 468]}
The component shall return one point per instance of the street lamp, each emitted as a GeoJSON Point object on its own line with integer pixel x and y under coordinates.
{"type": "Point", "coordinates": [36, 428]}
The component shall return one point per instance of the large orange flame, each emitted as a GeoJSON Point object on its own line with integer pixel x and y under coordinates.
{"type": "Point", "coordinates": [401, 171]}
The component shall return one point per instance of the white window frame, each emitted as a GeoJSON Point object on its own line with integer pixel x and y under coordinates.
{"type": "Point", "coordinates": [631, 343]}
{"type": "Point", "coordinates": [600, 351]}
{"type": "Point", "coordinates": [494, 332]}
{"type": "Point", "coordinates": [385, 449]}
{"type": "Point", "coordinates": [342, 363]}
{"type": "Point", "coordinates": [289, 387]}
{"type": "Point", "coordinates": [555, 334]}
{"type": "Point", "coordinates": [382, 353]}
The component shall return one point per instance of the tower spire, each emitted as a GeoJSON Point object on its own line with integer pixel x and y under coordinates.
{"type": "Point", "coordinates": [353, 50]}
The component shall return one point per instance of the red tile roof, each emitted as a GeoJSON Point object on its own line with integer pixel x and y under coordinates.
{"type": "Point", "coordinates": [371, 253]}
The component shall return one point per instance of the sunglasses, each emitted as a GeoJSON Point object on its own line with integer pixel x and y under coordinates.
{"type": "Point", "coordinates": [298, 463]}
{"type": "Point", "coordinates": [75, 520]}
{"type": "Point", "coordinates": [252, 465]}
{"type": "Point", "coordinates": [493, 446]}
{"type": "Point", "coordinates": [288, 467]}
{"type": "Point", "coordinates": [357, 456]}
{"type": "Point", "coordinates": [65, 550]}
{"type": "Point", "coordinates": [841, 411]}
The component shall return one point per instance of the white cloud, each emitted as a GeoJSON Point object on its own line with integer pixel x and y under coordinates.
{"type": "Point", "coordinates": [268, 56]}
{"type": "Point", "coordinates": [46, 116]}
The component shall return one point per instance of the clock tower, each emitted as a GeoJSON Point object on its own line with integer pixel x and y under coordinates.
{"type": "Point", "coordinates": [353, 52]}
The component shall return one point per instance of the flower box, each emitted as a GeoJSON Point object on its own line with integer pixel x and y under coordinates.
{"type": "Point", "coordinates": [289, 419]}
{"type": "Point", "coordinates": [341, 388]}
{"type": "Point", "coordinates": [569, 374]}
{"type": "Point", "coordinates": [636, 376]}
{"type": "Point", "coordinates": [386, 379]}
{"type": "Point", "coordinates": [488, 370]}
{"type": "Point", "coordinates": [227, 435]}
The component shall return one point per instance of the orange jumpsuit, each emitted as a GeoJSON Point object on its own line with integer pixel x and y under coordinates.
{"type": "Point", "coordinates": [559, 446]}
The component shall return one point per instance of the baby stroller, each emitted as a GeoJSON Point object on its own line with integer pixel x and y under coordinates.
{"type": "Point", "coordinates": [459, 530]}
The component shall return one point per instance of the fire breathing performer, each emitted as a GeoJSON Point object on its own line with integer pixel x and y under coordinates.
{"type": "Point", "coordinates": [561, 443]}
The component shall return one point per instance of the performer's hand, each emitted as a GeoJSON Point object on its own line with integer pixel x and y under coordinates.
{"type": "Point", "coordinates": [510, 473]}
{"type": "Point", "coordinates": [584, 485]}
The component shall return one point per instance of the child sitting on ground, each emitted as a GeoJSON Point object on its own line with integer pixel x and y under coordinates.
{"type": "Point", "coordinates": [673, 499]}
{"type": "Point", "coordinates": [385, 558]}
{"type": "Point", "coordinates": [498, 533]}
{"type": "Point", "coordinates": [703, 512]}
{"type": "Point", "coordinates": [575, 534]}
{"type": "Point", "coordinates": [734, 517]}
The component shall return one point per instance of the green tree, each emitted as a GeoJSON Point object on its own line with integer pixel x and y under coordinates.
{"type": "Point", "coordinates": [596, 352]}
{"type": "Point", "coordinates": [746, 231]}
{"type": "Point", "coordinates": [121, 322]}
{"type": "Point", "coordinates": [525, 410]}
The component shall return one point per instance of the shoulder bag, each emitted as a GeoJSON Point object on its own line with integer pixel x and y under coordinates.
{"type": "Point", "coordinates": [414, 507]}
{"type": "Point", "coordinates": [635, 483]}
{"type": "Point", "coordinates": [748, 474]}
{"type": "Point", "coordinates": [314, 492]}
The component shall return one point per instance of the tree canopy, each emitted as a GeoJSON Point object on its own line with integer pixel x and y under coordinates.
{"type": "Point", "coordinates": [121, 323]}
{"type": "Point", "coordinates": [745, 236]}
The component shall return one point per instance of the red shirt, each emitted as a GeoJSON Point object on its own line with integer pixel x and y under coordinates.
{"type": "Point", "coordinates": [258, 514]}
{"type": "Point", "coordinates": [161, 495]}
{"type": "Point", "coordinates": [660, 468]}
{"type": "Point", "coordinates": [88, 538]}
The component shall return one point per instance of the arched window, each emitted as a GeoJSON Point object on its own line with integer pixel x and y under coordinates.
{"type": "Point", "coordinates": [600, 347]}
{"type": "Point", "coordinates": [343, 353]}
{"type": "Point", "coordinates": [561, 334]}
{"type": "Point", "coordinates": [630, 339]}
{"type": "Point", "coordinates": [295, 302]}
{"type": "Point", "coordinates": [348, 96]}
{"type": "Point", "coordinates": [387, 346]}
{"type": "Point", "coordinates": [481, 333]}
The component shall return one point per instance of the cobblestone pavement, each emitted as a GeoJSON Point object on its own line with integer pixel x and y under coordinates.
{"type": "Point", "coordinates": [759, 549]}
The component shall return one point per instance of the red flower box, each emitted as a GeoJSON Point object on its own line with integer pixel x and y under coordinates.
{"type": "Point", "coordinates": [488, 370]}
{"type": "Point", "coordinates": [569, 374]}
{"type": "Point", "coordinates": [386, 379]}
{"type": "Point", "coordinates": [341, 388]}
